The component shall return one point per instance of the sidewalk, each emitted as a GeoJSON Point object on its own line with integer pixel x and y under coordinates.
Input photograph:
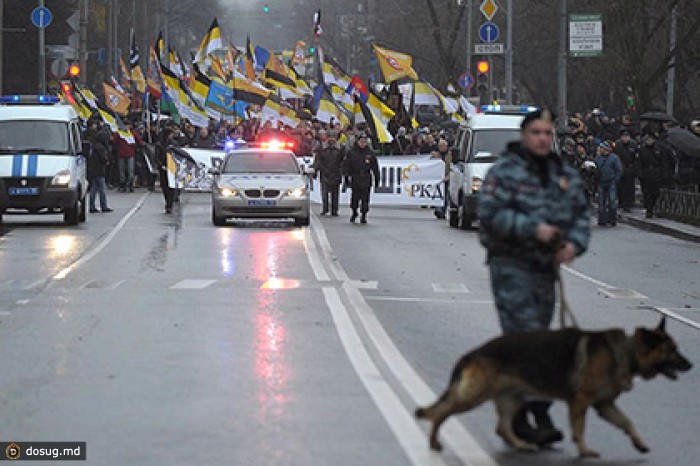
{"type": "Point", "coordinates": [663, 226]}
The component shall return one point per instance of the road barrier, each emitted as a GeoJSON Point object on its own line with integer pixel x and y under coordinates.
{"type": "Point", "coordinates": [678, 205]}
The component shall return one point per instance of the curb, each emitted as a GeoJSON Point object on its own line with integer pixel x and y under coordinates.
{"type": "Point", "coordinates": [660, 229]}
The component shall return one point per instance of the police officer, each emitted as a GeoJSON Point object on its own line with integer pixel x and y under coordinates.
{"type": "Point", "coordinates": [627, 150]}
{"type": "Point", "coordinates": [329, 161]}
{"type": "Point", "coordinates": [362, 168]}
{"type": "Point", "coordinates": [534, 216]}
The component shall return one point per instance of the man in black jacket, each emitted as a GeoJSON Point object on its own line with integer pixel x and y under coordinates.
{"type": "Point", "coordinates": [627, 149]}
{"type": "Point", "coordinates": [650, 163]}
{"type": "Point", "coordinates": [328, 161]}
{"type": "Point", "coordinates": [99, 139]}
{"type": "Point", "coordinates": [362, 168]}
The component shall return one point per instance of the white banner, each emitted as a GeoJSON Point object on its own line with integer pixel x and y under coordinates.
{"type": "Point", "coordinates": [192, 168]}
{"type": "Point", "coordinates": [405, 180]}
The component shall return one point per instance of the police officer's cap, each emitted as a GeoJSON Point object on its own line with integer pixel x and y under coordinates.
{"type": "Point", "coordinates": [361, 136]}
{"type": "Point", "coordinates": [542, 114]}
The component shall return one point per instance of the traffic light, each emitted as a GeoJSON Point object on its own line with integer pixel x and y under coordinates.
{"type": "Point", "coordinates": [312, 50]}
{"type": "Point", "coordinates": [482, 79]}
{"type": "Point", "coordinates": [266, 8]}
{"type": "Point", "coordinates": [74, 71]}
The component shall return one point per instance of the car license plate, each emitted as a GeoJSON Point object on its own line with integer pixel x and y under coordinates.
{"type": "Point", "coordinates": [262, 203]}
{"type": "Point", "coordinates": [28, 191]}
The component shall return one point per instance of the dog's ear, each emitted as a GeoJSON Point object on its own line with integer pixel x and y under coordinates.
{"type": "Point", "coordinates": [662, 325]}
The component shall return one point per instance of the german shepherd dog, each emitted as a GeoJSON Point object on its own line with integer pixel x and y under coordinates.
{"type": "Point", "coordinates": [580, 367]}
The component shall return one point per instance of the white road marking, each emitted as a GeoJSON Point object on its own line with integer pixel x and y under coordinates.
{"type": "Point", "coordinates": [402, 299]}
{"type": "Point", "coordinates": [192, 284]}
{"type": "Point", "coordinates": [454, 434]}
{"type": "Point", "coordinates": [5, 313]}
{"type": "Point", "coordinates": [22, 302]}
{"type": "Point", "coordinates": [117, 285]}
{"type": "Point", "coordinates": [314, 258]}
{"type": "Point", "coordinates": [675, 316]}
{"type": "Point", "coordinates": [86, 285]}
{"type": "Point", "coordinates": [583, 276]}
{"type": "Point", "coordinates": [33, 285]}
{"type": "Point", "coordinates": [103, 244]}
{"type": "Point", "coordinates": [621, 293]}
{"type": "Point", "coordinates": [410, 436]}
{"type": "Point", "coordinates": [366, 284]}
{"type": "Point", "coordinates": [450, 288]}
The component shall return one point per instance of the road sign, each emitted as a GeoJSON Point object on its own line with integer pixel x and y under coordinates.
{"type": "Point", "coordinates": [466, 81]}
{"type": "Point", "coordinates": [489, 32]}
{"type": "Point", "coordinates": [74, 21]}
{"type": "Point", "coordinates": [102, 57]}
{"type": "Point", "coordinates": [488, 49]}
{"type": "Point", "coordinates": [585, 35]}
{"type": "Point", "coordinates": [41, 17]}
{"type": "Point", "coordinates": [59, 68]}
{"type": "Point", "coordinates": [488, 8]}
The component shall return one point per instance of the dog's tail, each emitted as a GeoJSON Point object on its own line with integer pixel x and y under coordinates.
{"type": "Point", "coordinates": [427, 412]}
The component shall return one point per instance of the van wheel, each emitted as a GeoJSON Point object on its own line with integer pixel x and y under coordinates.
{"type": "Point", "coordinates": [216, 220]}
{"type": "Point", "coordinates": [72, 215]}
{"type": "Point", "coordinates": [83, 211]}
{"type": "Point", "coordinates": [302, 221]}
{"type": "Point", "coordinates": [452, 214]}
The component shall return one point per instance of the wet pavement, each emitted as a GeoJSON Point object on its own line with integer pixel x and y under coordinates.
{"type": "Point", "coordinates": [161, 339]}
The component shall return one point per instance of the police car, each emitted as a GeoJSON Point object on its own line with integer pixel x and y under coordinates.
{"type": "Point", "coordinates": [260, 183]}
{"type": "Point", "coordinates": [480, 140]}
{"type": "Point", "coordinates": [42, 162]}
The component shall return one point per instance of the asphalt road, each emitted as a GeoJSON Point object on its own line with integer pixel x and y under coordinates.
{"type": "Point", "coordinates": [163, 340]}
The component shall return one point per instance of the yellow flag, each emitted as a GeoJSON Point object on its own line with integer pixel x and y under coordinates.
{"type": "Point", "coordinates": [395, 65]}
{"type": "Point", "coordinates": [115, 100]}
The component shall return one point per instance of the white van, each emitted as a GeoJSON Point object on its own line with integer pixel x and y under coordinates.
{"type": "Point", "coordinates": [480, 141]}
{"type": "Point", "coordinates": [43, 169]}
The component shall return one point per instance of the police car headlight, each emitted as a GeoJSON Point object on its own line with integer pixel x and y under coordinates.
{"type": "Point", "coordinates": [228, 192]}
{"type": "Point", "coordinates": [297, 193]}
{"type": "Point", "coordinates": [61, 178]}
{"type": "Point", "coordinates": [476, 183]}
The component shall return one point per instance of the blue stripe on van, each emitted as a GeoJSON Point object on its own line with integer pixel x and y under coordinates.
{"type": "Point", "coordinates": [33, 161]}
{"type": "Point", "coordinates": [16, 165]}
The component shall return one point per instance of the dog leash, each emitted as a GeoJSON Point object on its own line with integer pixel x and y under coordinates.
{"type": "Point", "coordinates": [564, 308]}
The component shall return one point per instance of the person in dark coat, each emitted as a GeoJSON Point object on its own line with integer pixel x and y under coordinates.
{"type": "Point", "coordinates": [205, 139]}
{"type": "Point", "coordinates": [534, 217]}
{"type": "Point", "coordinates": [329, 162]}
{"type": "Point", "coordinates": [626, 149]}
{"type": "Point", "coordinates": [362, 167]}
{"type": "Point", "coordinates": [610, 172]}
{"type": "Point", "coordinates": [98, 161]}
{"type": "Point", "coordinates": [169, 138]}
{"type": "Point", "coordinates": [650, 162]}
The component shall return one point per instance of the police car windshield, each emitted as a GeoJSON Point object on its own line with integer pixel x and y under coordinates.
{"type": "Point", "coordinates": [261, 162]}
{"type": "Point", "coordinates": [34, 136]}
{"type": "Point", "coordinates": [489, 144]}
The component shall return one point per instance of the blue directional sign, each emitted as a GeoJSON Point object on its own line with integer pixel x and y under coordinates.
{"type": "Point", "coordinates": [489, 32]}
{"type": "Point", "coordinates": [466, 81]}
{"type": "Point", "coordinates": [41, 17]}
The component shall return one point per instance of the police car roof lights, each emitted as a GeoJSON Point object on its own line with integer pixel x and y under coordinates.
{"type": "Point", "coordinates": [17, 99]}
{"type": "Point", "coordinates": [497, 109]}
